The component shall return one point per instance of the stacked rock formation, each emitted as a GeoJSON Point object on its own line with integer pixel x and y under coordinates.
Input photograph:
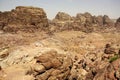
{"type": "Point", "coordinates": [84, 22]}
{"type": "Point", "coordinates": [23, 18]}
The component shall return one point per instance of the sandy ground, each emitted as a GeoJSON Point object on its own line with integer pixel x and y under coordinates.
{"type": "Point", "coordinates": [18, 50]}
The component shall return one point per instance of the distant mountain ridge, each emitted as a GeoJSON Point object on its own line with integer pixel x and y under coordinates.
{"type": "Point", "coordinates": [30, 19]}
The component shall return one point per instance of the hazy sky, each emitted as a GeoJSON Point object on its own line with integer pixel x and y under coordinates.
{"type": "Point", "coordinates": [51, 7]}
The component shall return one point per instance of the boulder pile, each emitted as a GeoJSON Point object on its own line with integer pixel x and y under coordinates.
{"type": "Point", "coordinates": [52, 65]}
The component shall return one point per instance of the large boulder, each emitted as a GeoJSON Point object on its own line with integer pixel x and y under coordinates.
{"type": "Point", "coordinates": [23, 17]}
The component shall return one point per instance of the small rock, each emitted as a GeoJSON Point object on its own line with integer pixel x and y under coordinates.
{"type": "Point", "coordinates": [109, 49]}
{"type": "Point", "coordinates": [39, 68]}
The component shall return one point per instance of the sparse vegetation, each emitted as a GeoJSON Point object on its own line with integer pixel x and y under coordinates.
{"type": "Point", "coordinates": [75, 50]}
{"type": "Point", "coordinates": [113, 58]}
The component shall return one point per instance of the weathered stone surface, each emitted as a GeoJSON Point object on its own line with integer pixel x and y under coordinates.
{"type": "Point", "coordinates": [80, 18]}
{"type": "Point", "coordinates": [117, 24]}
{"type": "Point", "coordinates": [39, 68]}
{"type": "Point", "coordinates": [22, 18]}
{"type": "Point", "coordinates": [107, 21]}
{"type": "Point", "coordinates": [89, 19]}
{"type": "Point", "coordinates": [2, 24]}
{"type": "Point", "coordinates": [66, 55]}
{"type": "Point", "coordinates": [60, 22]}
{"type": "Point", "coordinates": [57, 66]}
{"type": "Point", "coordinates": [110, 72]}
{"type": "Point", "coordinates": [82, 22]}
{"type": "Point", "coordinates": [99, 20]}
{"type": "Point", "coordinates": [61, 16]}
{"type": "Point", "coordinates": [109, 49]}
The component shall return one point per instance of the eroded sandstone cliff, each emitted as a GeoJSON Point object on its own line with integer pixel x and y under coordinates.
{"type": "Point", "coordinates": [23, 18]}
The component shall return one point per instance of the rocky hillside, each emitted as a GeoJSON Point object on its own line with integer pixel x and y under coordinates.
{"type": "Point", "coordinates": [31, 19]}
{"type": "Point", "coordinates": [23, 18]}
{"type": "Point", "coordinates": [83, 22]}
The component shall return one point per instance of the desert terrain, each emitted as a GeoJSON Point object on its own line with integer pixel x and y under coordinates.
{"type": "Point", "coordinates": [83, 47]}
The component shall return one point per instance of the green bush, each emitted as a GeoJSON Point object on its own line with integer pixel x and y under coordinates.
{"type": "Point", "coordinates": [113, 58]}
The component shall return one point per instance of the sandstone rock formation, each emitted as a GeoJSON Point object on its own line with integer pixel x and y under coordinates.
{"type": "Point", "coordinates": [66, 54]}
{"type": "Point", "coordinates": [110, 72]}
{"type": "Point", "coordinates": [99, 20]}
{"type": "Point", "coordinates": [61, 22]}
{"type": "Point", "coordinates": [117, 24]}
{"type": "Point", "coordinates": [109, 49]}
{"type": "Point", "coordinates": [71, 55]}
{"type": "Point", "coordinates": [2, 24]}
{"type": "Point", "coordinates": [23, 18]}
{"type": "Point", "coordinates": [54, 66]}
{"type": "Point", "coordinates": [82, 22]}
{"type": "Point", "coordinates": [61, 16]}
{"type": "Point", "coordinates": [107, 21]}
{"type": "Point", "coordinates": [31, 19]}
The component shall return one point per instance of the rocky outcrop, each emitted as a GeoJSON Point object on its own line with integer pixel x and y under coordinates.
{"type": "Point", "coordinates": [107, 22]}
{"type": "Point", "coordinates": [23, 18]}
{"type": "Point", "coordinates": [61, 16]}
{"type": "Point", "coordinates": [109, 49]}
{"type": "Point", "coordinates": [82, 22]}
{"type": "Point", "coordinates": [80, 18]}
{"type": "Point", "coordinates": [52, 66]}
{"type": "Point", "coordinates": [99, 20]}
{"type": "Point", "coordinates": [110, 72]}
{"type": "Point", "coordinates": [2, 24]}
{"type": "Point", "coordinates": [117, 24]}
{"type": "Point", "coordinates": [31, 19]}
{"type": "Point", "coordinates": [60, 22]}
